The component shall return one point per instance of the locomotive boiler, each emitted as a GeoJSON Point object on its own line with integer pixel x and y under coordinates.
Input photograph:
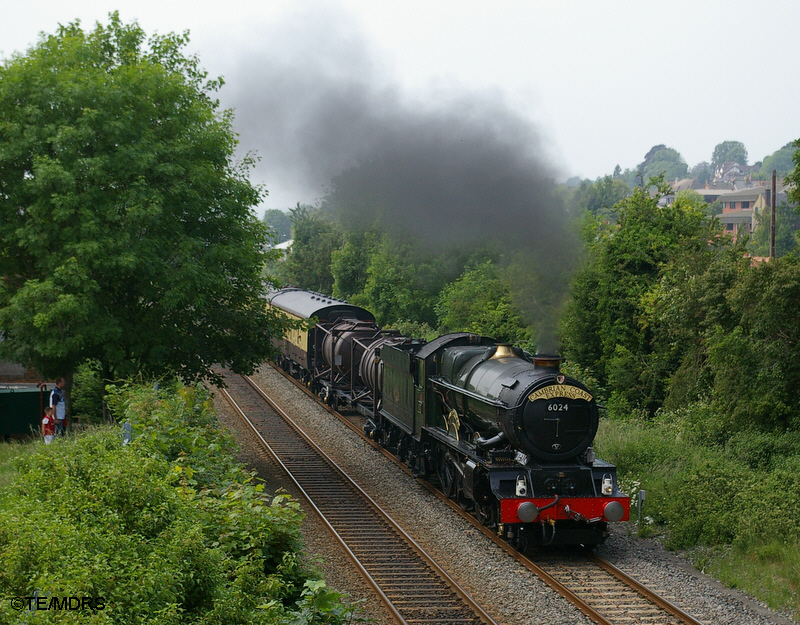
{"type": "Point", "coordinates": [504, 433]}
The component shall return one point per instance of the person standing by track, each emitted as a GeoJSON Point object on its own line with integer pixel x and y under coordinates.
{"type": "Point", "coordinates": [48, 426]}
{"type": "Point", "coordinates": [59, 407]}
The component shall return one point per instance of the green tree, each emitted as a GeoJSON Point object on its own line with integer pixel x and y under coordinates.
{"type": "Point", "coordinates": [729, 151]}
{"type": "Point", "coordinates": [480, 301]}
{"type": "Point", "coordinates": [391, 288]}
{"type": "Point", "coordinates": [279, 224]}
{"type": "Point", "coordinates": [787, 225]}
{"type": "Point", "coordinates": [781, 161]}
{"type": "Point", "coordinates": [606, 329]}
{"type": "Point", "coordinates": [687, 305]}
{"type": "Point", "coordinates": [756, 366]}
{"type": "Point", "coordinates": [349, 263]}
{"type": "Point", "coordinates": [664, 162]}
{"type": "Point", "coordinates": [793, 179]}
{"type": "Point", "coordinates": [127, 229]}
{"type": "Point", "coordinates": [690, 198]}
{"type": "Point", "coordinates": [600, 197]}
{"type": "Point", "coordinates": [702, 173]}
{"type": "Point", "coordinates": [315, 237]}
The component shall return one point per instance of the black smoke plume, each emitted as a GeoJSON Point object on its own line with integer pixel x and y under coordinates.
{"type": "Point", "coordinates": [455, 169]}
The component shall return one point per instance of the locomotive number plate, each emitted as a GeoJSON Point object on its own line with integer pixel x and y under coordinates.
{"type": "Point", "coordinates": [554, 392]}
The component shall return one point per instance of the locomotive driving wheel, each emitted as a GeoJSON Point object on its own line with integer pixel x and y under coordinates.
{"type": "Point", "coordinates": [448, 477]}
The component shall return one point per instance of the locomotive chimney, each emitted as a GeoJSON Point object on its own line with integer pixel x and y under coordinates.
{"type": "Point", "coordinates": [548, 361]}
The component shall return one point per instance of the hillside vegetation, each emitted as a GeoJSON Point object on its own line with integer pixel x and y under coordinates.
{"type": "Point", "coordinates": [164, 530]}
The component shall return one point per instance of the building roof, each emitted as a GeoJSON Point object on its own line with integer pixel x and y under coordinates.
{"type": "Point", "coordinates": [744, 215]}
{"type": "Point", "coordinates": [744, 194]}
{"type": "Point", "coordinates": [711, 194]}
{"type": "Point", "coordinates": [682, 185]}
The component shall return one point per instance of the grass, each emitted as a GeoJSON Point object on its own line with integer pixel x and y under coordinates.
{"type": "Point", "coordinates": [9, 451]}
{"type": "Point", "coordinates": [770, 571]}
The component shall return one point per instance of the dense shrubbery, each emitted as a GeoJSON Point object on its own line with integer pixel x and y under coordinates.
{"type": "Point", "coordinates": [87, 393]}
{"type": "Point", "coordinates": [745, 495]}
{"type": "Point", "coordinates": [167, 529]}
{"type": "Point", "coordinates": [744, 492]}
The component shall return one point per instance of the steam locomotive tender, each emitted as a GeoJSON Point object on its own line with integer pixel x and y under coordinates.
{"type": "Point", "coordinates": [506, 434]}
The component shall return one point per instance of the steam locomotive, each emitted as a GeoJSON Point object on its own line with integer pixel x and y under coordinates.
{"type": "Point", "coordinates": [506, 434]}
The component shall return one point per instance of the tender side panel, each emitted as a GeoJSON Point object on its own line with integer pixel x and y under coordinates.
{"type": "Point", "coordinates": [398, 388]}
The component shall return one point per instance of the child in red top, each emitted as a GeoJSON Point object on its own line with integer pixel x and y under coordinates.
{"type": "Point", "coordinates": [48, 425]}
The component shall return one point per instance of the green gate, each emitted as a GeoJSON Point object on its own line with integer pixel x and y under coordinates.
{"type": "Point", "coordinates": [21, 410]}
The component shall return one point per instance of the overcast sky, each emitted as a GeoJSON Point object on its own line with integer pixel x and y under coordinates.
{"type": "Point", "coordinates": [590, 84]}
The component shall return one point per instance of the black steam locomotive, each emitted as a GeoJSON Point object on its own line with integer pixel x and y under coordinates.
{"type": "Point", "coordinates": [506, 433]}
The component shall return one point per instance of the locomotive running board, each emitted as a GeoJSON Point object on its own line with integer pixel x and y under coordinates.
{"type": "Point", "coordinates": [497, 403]}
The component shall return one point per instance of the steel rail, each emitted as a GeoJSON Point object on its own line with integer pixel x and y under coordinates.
{"type": "Point", "coordinates": [644, 591]}
{"type": "Point", "coordinates": [351, 556]}
{"type": "Point", "coordinates": [397, 614]}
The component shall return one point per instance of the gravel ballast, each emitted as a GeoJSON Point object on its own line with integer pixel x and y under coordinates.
{"type": "Point", "coordinates": [510, 593]}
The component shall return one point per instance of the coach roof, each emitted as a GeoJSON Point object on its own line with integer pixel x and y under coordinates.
{"type": "Point", "coordinates": [307, 304]}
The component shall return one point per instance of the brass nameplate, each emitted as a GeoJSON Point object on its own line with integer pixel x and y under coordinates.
{"type": "Point", "coordinates": [555, 391]}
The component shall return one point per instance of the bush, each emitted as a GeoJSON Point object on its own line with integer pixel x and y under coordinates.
{"type": "Point", "coordinates": [702, 507]}
{"type": "Point", "coordinates": [92, 518]}
{"type": "Point", "coordinates": [87, 393]}
{"type": "Point", "coordinates": [744, 493]}
{"type": "Point", "coordinates": [763, 450]}
{"type": "Point", "coordinates": [699, 424]}
{"type": "Point", "coordinates": [167, 529]}
{"type": "Point", "coordinates": [641, 448]}
{"type": "Point", "coordinates": [179, 424]}
{"type": "Point", "coordinates": [767, 507]}
{"type": "Point", "coordinates": [690, 489]}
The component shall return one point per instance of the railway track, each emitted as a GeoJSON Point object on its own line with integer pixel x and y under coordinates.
{"type": "Point", "coordinates": [596, 587]}
{"type": "Point", "coordinates": [604, 593]}
{"type": "Point", "coordinates": [413, 587]}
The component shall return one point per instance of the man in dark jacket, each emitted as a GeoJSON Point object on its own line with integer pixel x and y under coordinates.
{"type": "Point", "coordinates": [59, 407]}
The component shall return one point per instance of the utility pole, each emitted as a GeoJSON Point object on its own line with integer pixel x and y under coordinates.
{"type": "Point", "coordinates": [773, 201]}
